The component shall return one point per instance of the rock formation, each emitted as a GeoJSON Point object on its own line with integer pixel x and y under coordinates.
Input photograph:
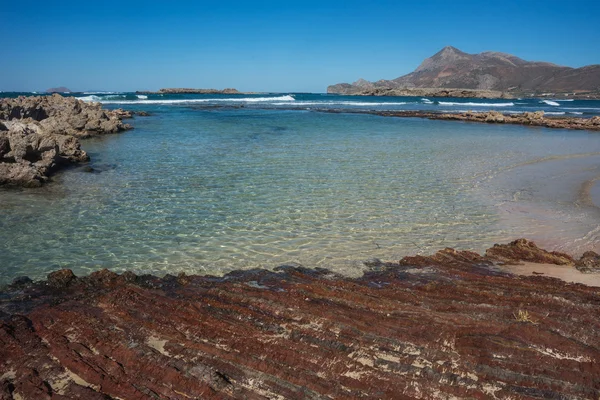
{"type": "Point", "coordinates": [536, 118]}
{"type": "Point", "coordinates": [451, 68]}
{"type": "Point", "coordinates": [60, 89]}
{"type": "Point", "coordinates": [446, 326]}
{"type": "Point", "coordinates": [191, 91]}
{"type": "Point", "coordinates": [39, 135]}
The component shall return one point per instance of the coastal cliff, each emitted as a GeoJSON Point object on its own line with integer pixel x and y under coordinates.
{"type": "Point", "coordinates": [451, 325]}
{"type": "Point", "coordinates": [474, 75]}
{"type": "Point", "coordinates": [40, 135]}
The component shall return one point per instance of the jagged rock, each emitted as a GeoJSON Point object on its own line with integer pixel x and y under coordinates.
{"type": "Point", "coordinates": [525, 250]}
{"type": "Point", "coordinates": [494, 116]}
{"type": "Point", "coordinates": [21, 281]}
{"type": "Point", "coordinates": [589, 263]}
{"type": "Point", "coordinates": [61, 278]}
{"type": "Point", "coordinates": [40, 134]}
{"type": "Point", "coordinates": [533, 116]}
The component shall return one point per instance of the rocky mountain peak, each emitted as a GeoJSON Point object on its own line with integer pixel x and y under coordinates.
{"type": "Point", "coordinates": [363, 83]}
{"type": "Point", "coordinates": [448, 55]}
{"type": "Point", "coordinates": [451, 68]}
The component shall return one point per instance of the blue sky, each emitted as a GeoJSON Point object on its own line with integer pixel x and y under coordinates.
{"type": "Point", "coordinates": [280, 46]}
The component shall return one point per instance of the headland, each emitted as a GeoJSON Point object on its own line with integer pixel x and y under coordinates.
{"type": "Point", "coordinates": [483, 75]}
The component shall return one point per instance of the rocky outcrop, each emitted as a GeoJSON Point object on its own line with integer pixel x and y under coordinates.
{"type": "Point", "coordinates": [445, 326]}
{"type": "Point", "coordinates": [191, 91]}
{"type": "Point", "coordinates": [453, 69]}
{"type": "Point", "coordinates": [364, 90]}
{"type": "Point", "coordinates": [536, 118]}
{"type": "Point", "coordinates": [589, 263]}
{"type": "Point", "coordinates": [60, 89]}
{"type": "Point", "coordinates": [39, 135]}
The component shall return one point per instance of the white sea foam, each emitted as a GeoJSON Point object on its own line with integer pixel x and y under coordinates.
{"type": "Point", "coordinates": [426, 101]}
{"type": "Point", "coordinates": [103, 99]}
{"type": "Point", "coordinates": [90, 98]}
{"type": "Point", "coordinates": [550, 102]}
{"type": "Point", "coordinates": [450, 103]}
{"type": "Point", "coordinates": [102, 92]}
{"type": "Point", "coordinates": [141, 96]}
{"type": "Point", "coordinates": [554, 113]}
{"type": "Point", "coordinates": [106, 100]}
{"type": "Point", "coordinates": [340, 103]}
{"type": "Point", "coordinates": [564, 100]}
{"type": "Point", "coordinates": [575, 112]}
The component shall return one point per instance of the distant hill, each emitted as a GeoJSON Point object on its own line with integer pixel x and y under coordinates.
{"type": "Point", "coordinates": [451, 68]}
{"type": "Point", "coordinates": [60, 89]}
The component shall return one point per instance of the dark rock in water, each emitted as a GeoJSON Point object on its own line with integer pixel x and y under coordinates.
{"type": "Point", "coordinates": [39, 135]}
{"type": "Point", "coordinates": [589, 263]}
{"type": "Point", "coordinates": [87, 168]}
{"type": "Point", "coordinates": [61, 278]}
{"type": "Point", "coordinates": [21, 281]}
{"type": "Point", "coordinates": [142, 113]}
{"type": "Point", "coordinates": [444, 326]}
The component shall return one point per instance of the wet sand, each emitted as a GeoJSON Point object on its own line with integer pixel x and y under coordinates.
{"type": "Point", "coordinates": [566, 273]}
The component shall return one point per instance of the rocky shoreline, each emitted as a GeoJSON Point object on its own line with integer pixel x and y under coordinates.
{"type": "Point", "coordinates": [536, 118]}
{"type": "Point", "coordinates": [351, 90]}
{"type": "Point", "coordinates": [39, 135]}
{"type": "Point", "coordinates": [451, 325]}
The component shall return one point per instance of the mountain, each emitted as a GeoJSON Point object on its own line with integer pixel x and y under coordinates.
{"type": "Point", "coordinates": [451, 68]}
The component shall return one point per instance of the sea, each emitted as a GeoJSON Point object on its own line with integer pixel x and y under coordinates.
{"type": "Point", "coordinates": [208, 184]}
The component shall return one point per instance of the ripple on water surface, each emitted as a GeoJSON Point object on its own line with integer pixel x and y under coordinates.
{"type": "Point", "coordinates": [211, 191]}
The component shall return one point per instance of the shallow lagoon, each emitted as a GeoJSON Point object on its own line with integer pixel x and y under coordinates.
{"type": "Point", "coordinates": [212, 190]}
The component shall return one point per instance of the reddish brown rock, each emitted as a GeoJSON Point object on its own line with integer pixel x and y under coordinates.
{"type": "Point", "coordinates": [446, 326]}
{"type": "Point", "coordinates": [525, 250]}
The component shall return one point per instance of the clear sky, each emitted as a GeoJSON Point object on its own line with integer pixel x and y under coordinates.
{"type": "Point", "coordinates": [280, 46]}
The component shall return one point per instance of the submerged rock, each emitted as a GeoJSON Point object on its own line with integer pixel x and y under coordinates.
{"type": "Point", "coordinates": [39, 135]}
{"type": "Point", "coordinates": [444, 326]}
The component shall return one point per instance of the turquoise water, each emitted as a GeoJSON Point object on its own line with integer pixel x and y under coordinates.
{"type": "Point", "coordinates": [209, 190]}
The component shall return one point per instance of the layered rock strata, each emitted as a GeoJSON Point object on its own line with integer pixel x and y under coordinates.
{"type": "Point", "coordinates": [446, 326]}
{"type": "Point", "coordinates": [39, 135]}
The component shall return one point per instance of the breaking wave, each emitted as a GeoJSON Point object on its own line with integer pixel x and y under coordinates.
{"type": "Point", "coordinates": [142, 100]}
{"type": "Point", "coordinates": [450, 103]}
{"type": "Point", "coordinates": [550, 102]}
{"type": "Point", "coordinates": [340, 103]}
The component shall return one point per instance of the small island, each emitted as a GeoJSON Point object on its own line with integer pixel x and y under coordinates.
{"type": "Point", "coordinates": [60, 89]}
{"type": "Point", "coordinates": [192, 91]}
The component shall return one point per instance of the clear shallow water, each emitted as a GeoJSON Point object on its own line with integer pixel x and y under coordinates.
{"type": "Point", "coordinates": [211, 190]}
